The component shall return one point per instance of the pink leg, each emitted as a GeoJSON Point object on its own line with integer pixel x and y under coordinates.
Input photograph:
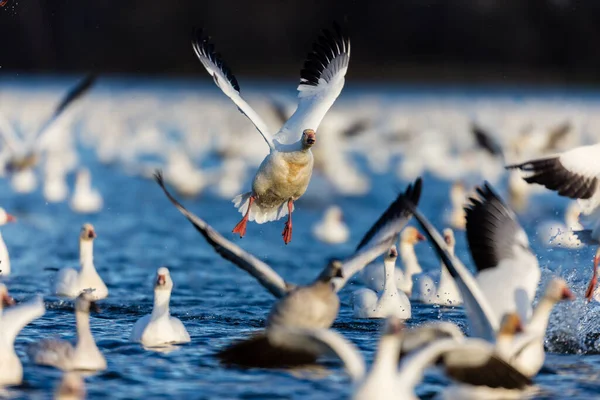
{"type": "Point", "coordinates": [287, 231]}
{"type": "Point", "coordinates": [589, 293]}
{"type": "Point", "coordinates": [241, 226]}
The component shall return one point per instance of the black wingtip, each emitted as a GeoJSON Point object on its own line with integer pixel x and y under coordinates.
{"type": "Point", "coordinates": [204, 48]}
{"type": "Point", "coordinates": [329, 44]}
{"type": "Point", "coordinates": [411, 195]}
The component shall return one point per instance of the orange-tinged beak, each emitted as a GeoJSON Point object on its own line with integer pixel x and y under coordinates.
{"type": "Point", "coordinates": [10, 218]}
{"type": "Point", "coordinates": [161, 281]}
{"type": "Point", "coordinates": [7, 300]}
{"type": "Point", "coordinates": [91, 234]}
{"type": "Point", "coordinates": [567, 294]}
{"type": "Point", "coordinates": [420, 237]}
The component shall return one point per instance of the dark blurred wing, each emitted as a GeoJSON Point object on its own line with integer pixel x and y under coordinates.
{"type": "Point", "coordinates": [229, 251]}
{"type": "Point", "coordinates": [321, 82]}
{"type": "Point", "coordinates": [382, 234]}
{"type": "Point", "coordinates": [573, 174]}
{"type": "Point", "coordinates": [226, 81]}
{"type": "Point", "coordinates": [557, 134]}
{"type": "Point", "coordinates": [486, 141]}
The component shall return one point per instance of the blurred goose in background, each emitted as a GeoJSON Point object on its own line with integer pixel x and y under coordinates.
{"type": "Point", "coordinates": [184, 176]}
{"type": "Point", "coordinates": [71, 387]}
{"type": "Point", "coordinates": [159, 328]}
{"type": "Point", "coordinates": [373, 275]}
{"type": "Point", "coordinates": [390, 301]}
{"type": "Point", "coordinates": [332, 229]}
{"type": "Point", "coordinates": [12, 321]}
{"type": "Point", "coordinates": [446, 292]}
{"type": "Point", "coordinates": [84, 356]}
{"type": "Point", "coordinates": [85, 199]}
{"type": "Point", "coordinates": [285, 173]}
{"type": "Point", "coordinates": [5, 218]}
{"type": "Point", "coordinates": [26, 152]}
{"type": "Point", "coordinates": [70, 282]}
{"type": "Point", "coordinates": [312, 306]}
{"type": "Point", "coordinates": [458, 197]}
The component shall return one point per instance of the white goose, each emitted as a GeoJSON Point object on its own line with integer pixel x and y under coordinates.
{"type": "Point", "coordinates": [4, 257]}
{"type": "Point", "coordinates": [12, 320]}
{"type": "Point", "coordinates": [285, 173]}
{"type": "Point", "coordinates": [373, 275]}
{"type": "Point", "coordinates": [332, 229]}
{"type": "Point", "coordinates": [84, 356]}
{"type": "Point", "coordinates": [70, 283]}
{"type": "Point", "coordinates": [458, 197]}
{"type": "Point", "coordinates": [159, 328]}
{"type": "Point", "coordinates": [503, 245]}
{"type": "Point", "coordinates": [390, 301]}
{"type": "Point", "coordinates": [85, 199]}
{"type": "Point", "coordinates": [446, 292]}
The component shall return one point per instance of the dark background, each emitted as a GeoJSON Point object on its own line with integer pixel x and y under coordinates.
{"type": "Point", "coordinates": [533, 41]}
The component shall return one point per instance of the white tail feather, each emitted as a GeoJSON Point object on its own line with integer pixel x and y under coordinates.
{"type": "Point", "coordinates": [258, 214]}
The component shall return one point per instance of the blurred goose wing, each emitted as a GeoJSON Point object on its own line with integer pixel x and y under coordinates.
{"type": "Point", "coordinates": [321, 82]}
{"type": "Point", "coordinates": [226, 81]}
{"type": "Point", "coordinates": [229, 251]}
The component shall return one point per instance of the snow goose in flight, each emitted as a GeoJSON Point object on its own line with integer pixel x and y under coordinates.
{"type": "Point", "coordinates": [25, 153]}
{"type": "Point", "coordinates": [12, 320]}
{"type": "Point", "coordinates": [159, 328]}
{"type": "Point", "coordinates": [332, 229]}
{"type": "Point", "coordinates": [390, 301]}
{"type": "Point", "coordinates": [481, 304]}
{"type": "Point", "coordinates": [285, 173]}
{"type": "Point", "coordinates": [70, 283]}
{"type": "Point", "coordinates": [84, 356]}
{"type": "Point", "coordinates": [312, 306]}
{"type": "Point", "coordinates": [574, 174]}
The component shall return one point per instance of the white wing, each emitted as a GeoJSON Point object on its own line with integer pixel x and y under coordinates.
{"type": "Point", "coordinates": [508, 271]}
{"type": "Point", "coordinates": [15, 318]}
{"type": "Point", "coordinates": [139, 327]}
{"type": "Point", "coordinates": [321, 341]}
{"type": "Point", "coordinates": [229, 251]}
{"type": "Point", "coordinates": [10, 137]}
{"type": "Point", "coordinates": [479, 313]}
{"type": "Point", "coordinates": [574, 173]}
{"type": "Point", "coordinates": [381, 235]}
{"type": "Point", "coordinates": [225, 80]}
{"type": "Point", "coordinates": [321, 82]}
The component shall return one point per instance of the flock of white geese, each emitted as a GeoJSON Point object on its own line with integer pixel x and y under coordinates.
{"type": "Point", "coordinates": [504, 143]}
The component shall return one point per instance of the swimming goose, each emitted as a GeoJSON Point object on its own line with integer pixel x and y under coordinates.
{"type": "Point", "coordinates": [315, 305]}
{"type": "Point", "coordinates": [85, 199]}
{"type": "Point", "coordinates": [72, 387]}
{"type": "Point", "coordinates": [445, 292]}
{"type": "Point", "coordinates": [12, 320]}
{"type": "Point", "coordinates": [284, 174]}
{"type": "Point", "coordinates": [481, 304]}
{"type": "Point", "coordinates": [332, 229]}
{"type": "Point", "coordinates": [26, 152]}
{"type": "Point", "coordinates": [373, 275]}
{"type": "Point", "coordinates": [70, 283]}
{"type": "Point", "coordinates": [159, 328]}
{"type": "Point", "coordinates": [390, 301]}
{"type": "Point", "coordinates": [84, 356]}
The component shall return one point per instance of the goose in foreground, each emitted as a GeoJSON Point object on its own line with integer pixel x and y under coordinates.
{"type": "Point", "coordinates": [313, 306]}
{"type": "Point", "coordinates": [390, 301]}
{"type": "Point", "coordinates": [373, 275]}
{"type": "Point", "coordinates": [480, 304]}
{"type": "Point", "coordinates": [332, 229]}
{"type": "Point", "coordinates": [70, 282]}
{"type": "Point", "coordinates": [84, 356]}
{"type": "Point", "coordinates": [26, 152]}
{"type": "Point", "coordinates": [12, 321]}
{"type": "Point", "coordinates": [71, 387]}
{"type": "Point", "coordinates": [445, 292]}
{"type": "Point", "coordinates": [159, 328]}
{"type": "Point", "coordinates": [86, 199]}
{"type": "Point", "coordinates": [285, 173]}
{"type": "Point", "coordinates": [574, 174]}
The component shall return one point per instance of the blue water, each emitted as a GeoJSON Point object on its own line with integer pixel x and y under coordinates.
{"type": "Point", "coordinates": [139, 231]}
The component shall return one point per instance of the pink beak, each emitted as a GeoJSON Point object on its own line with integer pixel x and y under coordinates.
{"type": "Point", "coordinates": [567, 294]}
{"type": "Point", "coordinates": [161, 280]}
{"type": "Point", "coordinates": [420, 237]}
{"type": "Point", "coordinates": [10, 218]}
{"type": "Point", "coordinates": [7, 300]}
